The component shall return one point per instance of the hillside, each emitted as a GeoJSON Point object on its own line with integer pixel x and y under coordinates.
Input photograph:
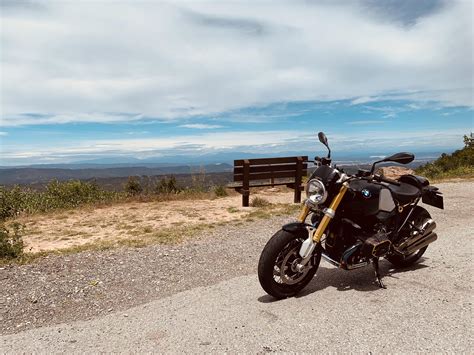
{"type": "Point", "coordinates": [459, 164]}
{"type": "Point", "coordinates": [36, 175]}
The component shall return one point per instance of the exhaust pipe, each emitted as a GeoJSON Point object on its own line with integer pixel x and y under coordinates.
{"type": "Point", "coordinates": [420, 235]}
{"type": "Point", "coordinates": [428, 227]}
{"type": "Point", "coordinates": [427, 239]}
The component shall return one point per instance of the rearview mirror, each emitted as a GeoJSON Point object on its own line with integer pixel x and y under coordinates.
{"type": "Point", "coordinates": [401, 158]}
{"type": "Point", "coordinates": [322, 138]}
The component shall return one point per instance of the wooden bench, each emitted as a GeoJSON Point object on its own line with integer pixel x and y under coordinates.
{"type": "Point", "coordinates": [287, 171]}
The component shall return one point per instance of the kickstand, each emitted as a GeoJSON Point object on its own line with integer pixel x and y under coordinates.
{"type": "Point", "coordinates": [375, 262]}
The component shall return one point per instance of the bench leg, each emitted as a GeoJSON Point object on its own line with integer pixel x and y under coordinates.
{"type": "Point", "coordinates": [297, 194]}
{"type": "Point", "coordinates": [245, 198]}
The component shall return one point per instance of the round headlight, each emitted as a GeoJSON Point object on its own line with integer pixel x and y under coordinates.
{"type": "Point", "coordinates": [315, 191]}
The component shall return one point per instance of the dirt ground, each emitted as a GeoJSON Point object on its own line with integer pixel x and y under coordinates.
{"type": "Point", "coordinates": [77, 227]}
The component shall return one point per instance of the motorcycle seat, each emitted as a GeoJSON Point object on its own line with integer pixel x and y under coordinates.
{"type": "Point", "coordinates": [405, 193]}
{"type": "Point", "coordinates": [415, 180]}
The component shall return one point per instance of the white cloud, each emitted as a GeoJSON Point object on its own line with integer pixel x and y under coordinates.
{"type": "Point", "coordinates": [201, 126]}
{"type": "Point", "coordinates": [262, 143]}
{"type": "Point", "coordinates": [364, 100]}
{"type": "Point", "coordinates": [85, 61]}
{"type": "Point", "coordinates": [368, 122]}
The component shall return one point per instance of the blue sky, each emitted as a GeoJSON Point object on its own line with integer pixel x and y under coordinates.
{"type": "Point", "coordinates": [150, 80]}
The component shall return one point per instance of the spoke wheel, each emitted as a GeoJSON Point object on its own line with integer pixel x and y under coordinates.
{"type": "Point", "coordinates": [277, 269]}
{"type": "Point", "coordinates": [285, 270]}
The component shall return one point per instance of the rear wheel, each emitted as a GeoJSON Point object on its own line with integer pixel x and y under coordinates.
{"type": "Point", "coordinates": [420, 215]}
{"type": "Point", "coordinates": [277, 268]}
{"type": "Point", "coordinates": [401, 261]}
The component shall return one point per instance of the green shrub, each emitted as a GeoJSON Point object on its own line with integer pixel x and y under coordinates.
{"type": "Point", "coordinates": [458, 164]}
{"type": "Point", "coordinates": [11, 241]}
{"type": "Point", "coordinates": [58, 195]}
{"type": "Point", "coordinates": [133, 186]}
{"type": "Point", "coordinates": [12, 202]}
{"type": "Point", "coordinates": [167, 186]}
{"type": "Point", "coordinates": [71, 194]}
{"type": "Point", "coordinates": [220, 191]}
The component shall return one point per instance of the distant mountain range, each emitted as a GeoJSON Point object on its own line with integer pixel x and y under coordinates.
{"type": "Point", "coordinates": [115, 167]}
{"type": "Point", "coordinates": [34, 174]}
{"type": "Point", "coordinates": [206, 159]}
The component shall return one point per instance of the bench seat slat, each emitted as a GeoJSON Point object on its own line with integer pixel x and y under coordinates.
{"type": "Point", "coordinates": [262, 176]}
{"type": "Point", "coordinates": [262, 183]}
{"type": "Point", "coordinates": [270, 168]}
{"type": "Point", "coordinates": [263, 161]}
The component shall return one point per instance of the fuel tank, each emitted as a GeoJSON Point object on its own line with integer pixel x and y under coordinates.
{"type": "Point", "coordinates": [368, 202]}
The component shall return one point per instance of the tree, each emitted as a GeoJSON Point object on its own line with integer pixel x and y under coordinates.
{"type": "Point", "coordinates": [166, 186]}
{"type": "Point", "coordinates": [133, 186]}
{"type": "Point", "coordinates": [469, 141]}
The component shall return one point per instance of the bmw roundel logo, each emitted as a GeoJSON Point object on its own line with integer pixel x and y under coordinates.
{"type": "Point", "coordinates": [365, 193]}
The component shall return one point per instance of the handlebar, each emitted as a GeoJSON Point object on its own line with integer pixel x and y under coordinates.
{"type": "Point", "coordinates": [378, 178]}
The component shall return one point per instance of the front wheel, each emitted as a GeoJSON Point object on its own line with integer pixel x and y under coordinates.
{"type": "Point", "coordinates": [277, 271]}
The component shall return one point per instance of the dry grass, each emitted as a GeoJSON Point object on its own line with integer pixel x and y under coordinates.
{"type": "Point", "coordinates": [141, 223]}
{"type": "Point", "coordinates": [259, 202]}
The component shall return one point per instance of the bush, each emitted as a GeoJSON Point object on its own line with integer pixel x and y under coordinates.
{"type": "Point", "coordinates": [12, 202]}
{"type": "Point", "coordinates": [11, 241]}
{"type": "Point", "coordinates": [458, 164]}
{"type": "Point", "coordinates": [259, 202]}
{"type": "Point", "coordinates": [220, 191]}
{"type": "Point", "coordinates": [58, 195]}
{"type": "Point", "coordinates": [71, 194]}
{"type": "Point", "coordinates": [167, 186]}
{"type": "Point", "coordinates": [133, 186]}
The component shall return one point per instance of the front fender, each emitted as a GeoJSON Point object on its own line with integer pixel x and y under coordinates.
{"type": "Point", "coordinates": [296, 227]}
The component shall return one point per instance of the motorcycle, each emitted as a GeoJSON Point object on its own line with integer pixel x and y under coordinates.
{"type": "Point", "coordinates": [355, 220]}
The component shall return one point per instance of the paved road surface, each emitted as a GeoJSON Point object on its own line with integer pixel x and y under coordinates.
{"type": "Point", "coordinates": [425, 309]}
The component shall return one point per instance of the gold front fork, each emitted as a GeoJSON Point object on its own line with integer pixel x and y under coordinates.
{"type": "Point", "coordinates": [304, 213]}
{"type": "Point", "coordinates": [328, 214]}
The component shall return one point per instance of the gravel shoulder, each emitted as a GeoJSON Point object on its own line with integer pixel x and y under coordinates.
{"type": "Point", "coordinates": [65, 288]}
{"type": "Point", "coordinates": [222, 308]}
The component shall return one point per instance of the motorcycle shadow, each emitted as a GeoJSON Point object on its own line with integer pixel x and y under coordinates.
{"type": "Point", "coordinates": [362, 279]}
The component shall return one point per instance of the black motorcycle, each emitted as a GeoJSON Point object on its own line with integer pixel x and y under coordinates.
{"type": "Point", "coordinates": [355, 220]}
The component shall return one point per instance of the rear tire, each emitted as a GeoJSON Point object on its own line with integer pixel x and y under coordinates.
{"type": "Point", "coordinates": [276, 265]}
{"type": "Point", "coordinates": [400, 261]}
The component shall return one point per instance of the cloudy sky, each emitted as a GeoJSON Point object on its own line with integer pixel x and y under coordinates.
{"type": "Point", "coordinates": [83, 80]}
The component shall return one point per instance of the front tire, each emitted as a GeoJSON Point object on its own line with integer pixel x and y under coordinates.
{"type": "Point", "coordinates": [276, 267]}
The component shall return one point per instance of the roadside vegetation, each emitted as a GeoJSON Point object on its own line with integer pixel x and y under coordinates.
{"type": "Point", "coordinates": [18, 201]}
{"type": "Point", "coordinates": [72, 194]}
{"type": "Point", "coordinates": [459, 164]}
{"type": "Point", "coordinates": [11, 241]}
{"type": "Point", "coordinates": [57, 213]}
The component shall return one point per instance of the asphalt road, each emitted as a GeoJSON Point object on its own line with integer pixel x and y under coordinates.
{"type": "Point", "coordinates": [427, 308]}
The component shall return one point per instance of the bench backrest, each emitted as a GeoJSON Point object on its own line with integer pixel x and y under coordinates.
{"type": "Point", "coordinates": [270, 168]}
